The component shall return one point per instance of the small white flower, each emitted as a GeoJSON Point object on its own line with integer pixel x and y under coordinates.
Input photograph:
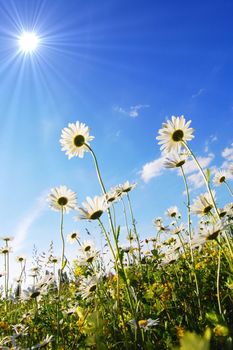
{"type": "Point", "coordinates": [175, 160]}
{"type": "Point", "coordinates": [220, 177]}
{"type": "Point", "coordinates": [43, 343]}
{"type": "Point", "coordinates": [173, 212]}
{"type": "Point", "coordinates": [7, 238]}
{"type": "Point", "coordinates": [88, 286]}
{"type": "Point", "coordinates": [5, 250]}
{"type": "Point", "coordinates": [125, 188]}
{"type": "Point", "coordinates": [93, 208]}
{"type": "Point", "coordinates": [61, 198]}
{"type": "Point", "coordinates": [74, 139]}
{"type": "Point", "coordinates": [73, 237]}
{"type": "Point", "coordinates": [20, 258]}
{"type": "Point", "coordinates": [203, 204]}
{"type": "Point", "coordinates": [173, 133]}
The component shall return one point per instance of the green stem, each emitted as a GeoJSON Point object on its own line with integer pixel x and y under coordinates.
{"type": "Point", "coordinates": [6, 277]}
{"type": "Point", "coordinates": [118, 258]}
{"type": "Point", "coordinates": [135, 228]}
{"type": "Point", "coordinates": [204, 176]}
{"type": "Point", "coordinates": [190, 238]}
{"type": "Point", "coordinates": [217, 283]}
{"type": "Point", "coordinates": [107, 238]}
{"type": "Point", "coordinates": [62, 252]}
{"type": "Point", "coordinates": [126, 220]}
{"type": "Point", "coordinates": [228, 187]}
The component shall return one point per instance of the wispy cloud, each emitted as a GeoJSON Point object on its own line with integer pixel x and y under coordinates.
{"type": "Point", "coordinates": [227, 153]}
{"type": "Point", "coordinates": [198, 93]}
{"type": "Point", "coordinates": [132, 111]}
{"type": "Point", "coordinates": [208, 142]}
{"type": "Point", "coordinates": [152, 169]}
{"type": "Point", "coordinates": [28, 219]}
{"type": "Point", "coordinates": [190, 166]}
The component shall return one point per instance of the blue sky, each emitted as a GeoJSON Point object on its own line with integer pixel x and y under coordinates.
{"type": "Point", "coordinates": [122, 67]}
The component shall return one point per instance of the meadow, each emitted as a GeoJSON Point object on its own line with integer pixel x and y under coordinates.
{"type": "Point", "coordinates": [173, 290]}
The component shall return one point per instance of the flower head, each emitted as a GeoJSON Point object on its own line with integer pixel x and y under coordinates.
{"type": "Point", "coordinates": [61, 198]}
{"type": "Point", "coordinates": [93, 208]}
{"type": "Point", "coordinates": [173, 133]}
{"type": "Point", "coordinates": [73, 237]}
{"type": "Point", "coordinates": [20, 258]}
{"type": "Point", "coordinates": [203, 204]}
{"type": "Point", "coordinates": [112, 195]}
{"type": "Point", "coordinates": [212, 230]}
{"type": "Point", "coordinates": [5, 250]}
{"type": "Point", "coordinates": [173, 212]}
{"type": "Point", "coordinates": [220, 177]}
{"type": "Point", "coordinates": [88, 286]}
{"type": "Point", "coordinates": [175, 160]}
{"type": "Point", "coordinates": [53, 259]}
{"type": "Point", "coordinates": [125, 188]}
{"type": "Point", "coordinates": [74, 139]}
{"type": "Point", "coordinates": [7, 238]}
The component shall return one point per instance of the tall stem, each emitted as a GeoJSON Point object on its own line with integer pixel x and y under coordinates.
{"type": "Point", "coordinates": [228, 187]}
{"type": "Point", "coordinates": [203, 175]}
{"type": "Point", "coordinates": [190, 238]}
{"type": "Point", "coordinates": [107, 239]}
{"type": "Point", "coordinates": [217, 282]}
{"type": "Point", "coordinates": [134, 227]}
{"type": "Point", "coordinates": [117, 255]}
{"type": "Point", "coordinates": [62, 252]}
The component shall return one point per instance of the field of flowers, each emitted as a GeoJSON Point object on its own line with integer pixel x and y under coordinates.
{"type": "Point", "coordinates": [170, 291]}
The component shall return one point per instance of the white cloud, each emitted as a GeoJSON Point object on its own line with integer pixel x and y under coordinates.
{"type": "Point", "coordinates": [132, 111]}
{"type": "Point", "coordinates": [200, 92]}
{"type": "Point", "coordinates": [152, 169]}
{"type": "Point", "coordinates": [190, 166]}
{"type": "Point", "coordinates": [227, 153]}
{"type": "Point", "coordinates": [27, 221]}
{"type": "Point", "coordinates": [211, 139]}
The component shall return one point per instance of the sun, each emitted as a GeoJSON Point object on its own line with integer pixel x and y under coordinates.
{"type": "Point", "coordinates": [28, 42]}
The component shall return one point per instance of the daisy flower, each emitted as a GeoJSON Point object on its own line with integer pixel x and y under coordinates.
{"type": "Point", "coordinates": [220, 177]}
{"type": "Point", "coordinates": [53, 259]}
{"type": "Point", "coordinates": [61, 198]}
{"type": "Point", "coordinates": [173, 212]}
{"type": "Point", "coordinates": [31, 293]}
{"type": "Point", "coordinates": [175, 160]}
{"type": "Point", "coordinates": [87, 257]}
{"type": "Point", "coordinates": [125, 188]}
{"type": "Point", "coordinates": [173, 133]}
{"type": "Point", "coordinates": [7, 238]}
{"type": "Point", "coordinates": [87, 246]}
{"type": "Point", "coordinates": [203, 204]}
{"type": "Point", "coordinates": [73, 237]}
{"type": "Point", "coordinates": [88, 286]}
{"type": "Point", "coordinates": [20, 258]}
{"type": "Point", "coordinates": [5, 250]}
{"type": "Point", "coordinates": [93, 208]}
{"type": "Point", "coordinates": [43, 343]}
{"type": "Point", "coordinates": [74, 139]}
{"type": "Point", "coordinates": [212, 231]}
{"type": "Point", "coordinates": [112, 195]}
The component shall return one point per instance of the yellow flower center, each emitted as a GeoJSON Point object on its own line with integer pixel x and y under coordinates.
{"type": "Point", "coordinates": [142, 323]}
{"type": "Point", "coordinates": [93, 288]}
{"type": "Point", "coordinates": [222, 179]}
{"type": "Point", "coordinates": [177, 135]}
{"type": "Point", "coordinates": [180, 163]}
{"type": "Point", "coordinates": [207, 209]}
{"type": "Point", "coordinates": [62, 201]}
{"type": "Point", "coordinates": [96, 215]}
{"type": "Point", "coordinates": [79, 140]}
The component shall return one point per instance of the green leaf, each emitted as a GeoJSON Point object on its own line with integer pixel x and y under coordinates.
{"type": "Point", "coordinates": [192, 341]}
{"type": "Point", "coordinates": [208, 174]}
